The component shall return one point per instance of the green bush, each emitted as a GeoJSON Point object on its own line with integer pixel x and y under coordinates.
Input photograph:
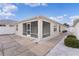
{"type": "Point", "coordinates": [71, 41]}
{"type": "Point", "coordinates": [72, 36]}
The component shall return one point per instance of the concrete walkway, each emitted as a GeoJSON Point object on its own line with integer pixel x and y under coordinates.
{"type": "Point", "coordinates": [61, 50]}
{"type": "Point", "coordinates": [13, 45]}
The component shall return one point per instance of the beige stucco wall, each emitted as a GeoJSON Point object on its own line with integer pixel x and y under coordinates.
{"type": "Point", "coordinates": [63, 28]}
{"type": "Point", "coordinates": [76, 30]}
{"type": "Point", "coordinates": [52, 33]}
{"type": "Point", "coordinates": [20, 30]}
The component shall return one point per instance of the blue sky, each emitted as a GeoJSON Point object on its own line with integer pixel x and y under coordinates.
{"type": "Point", "coordinates": [61, 12]}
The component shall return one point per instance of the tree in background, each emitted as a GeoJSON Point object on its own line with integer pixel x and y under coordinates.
{"type": "Point", "coordinates": [66, 24]}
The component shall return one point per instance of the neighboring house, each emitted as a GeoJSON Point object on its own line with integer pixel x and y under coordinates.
{"type": "Point", "coordinates": [71, 29]}
{"type": "Point", "coordinates": [76, 27]}
{"type": "Point", "coordinates": [39, 28]}
{"type": "Point", "coordinates": [7, 27]}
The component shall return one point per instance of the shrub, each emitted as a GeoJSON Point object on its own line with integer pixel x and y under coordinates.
{"type": "Point", "coordinates": [71, 41]}
{"type": "Point", "coordinates": [71, 36]}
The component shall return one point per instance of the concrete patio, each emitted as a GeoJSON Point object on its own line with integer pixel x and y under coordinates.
{"type": "Point", "coordinates": [10, 47]}
{"type": "Point", "coordinates": [13, 45]}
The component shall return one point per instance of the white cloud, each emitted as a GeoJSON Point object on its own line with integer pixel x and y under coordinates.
{"type": "Point", "coordinates": [54, 18]}
{"type": "Point", "coordinates": [7, 10]}
{"type": "Point", "coordinates": [74, 17]}
{"type": "Point", "coordinates": [70, 22]}
{"type": "Point", "coordinates": [58, 18]}
{"type": "Point", "coordinates": [36, 4]}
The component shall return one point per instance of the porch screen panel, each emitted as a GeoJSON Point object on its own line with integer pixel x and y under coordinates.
{"type": "Point", "coordinates": [34, 29]}
{"type": "Point", "coordinates": [46, 29]}
{"type": "Point", "coordinates": [24, 29]}
{"type": "Point", "coordinates": [59, 28]}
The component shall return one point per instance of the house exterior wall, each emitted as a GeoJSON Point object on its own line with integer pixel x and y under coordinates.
{"type": "Point", "coordinates": [20, 30]}
{"type": "Point", "coordinates": [71, 30]}
{"type": "Point", "coordinates": [76, 30]}
{"type": "Point", "coordinates": [40, 29]}
{"type": "Point", "coordinates": [55, 32]}
{"type": "Point", "coordinates": [63, 28]}
{"type": "Point", "coordinates": [52, 33]}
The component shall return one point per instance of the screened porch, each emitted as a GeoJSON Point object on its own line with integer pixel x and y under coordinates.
{"type": "Point", "coordinates": [32, 29]}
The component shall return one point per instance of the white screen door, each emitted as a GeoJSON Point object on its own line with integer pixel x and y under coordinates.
{"type": "Point", "coordinates": [28, 29]}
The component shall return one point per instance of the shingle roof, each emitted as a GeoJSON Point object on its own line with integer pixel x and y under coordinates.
{"type": "Point", "coordinates": [40, 17]}
{"type": "Point", "coordinates": [6, 21]}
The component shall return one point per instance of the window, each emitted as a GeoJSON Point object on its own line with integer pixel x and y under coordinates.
{"type": "Point", "coordinates": [2, 25]}
{"type": "Point", "coordinates": [55, 28]}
